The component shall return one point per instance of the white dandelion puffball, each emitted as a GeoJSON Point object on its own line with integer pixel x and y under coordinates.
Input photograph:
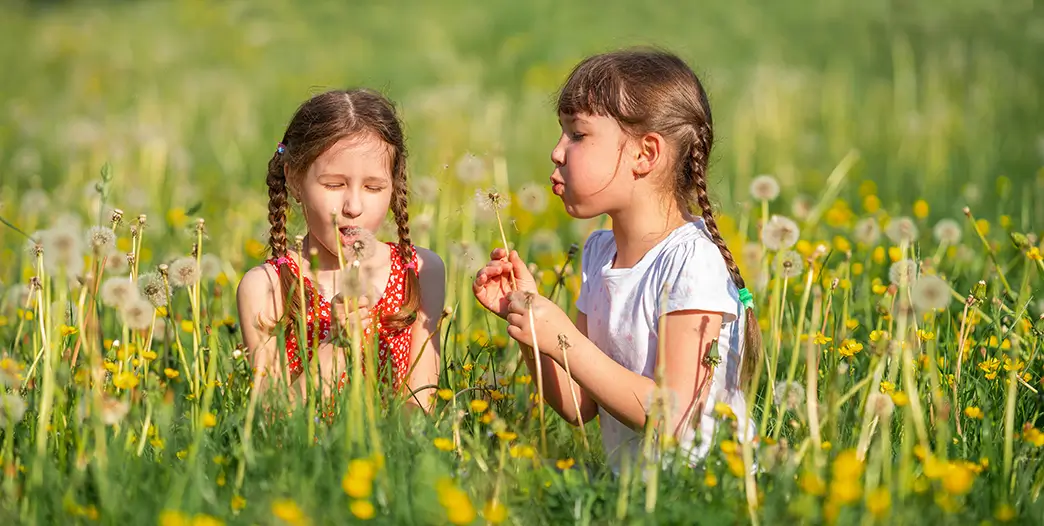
{"type": "Point", "coordinates": [791, 395]}
{"type": "Point", "coordinates": [764, 188]}
{"type": "Point", "coordinates": [425, 189]}
{"type": "Point", "coordinates": [137, 314]}
{"type": "Point", "coordinates": [801, 207]}
{"type": "Point", "coordinates": [353, 285]}
{"type": "Point", "coordinates": [930, 292]}
{"type": "Point", "coordinates": [751, 253]}
{"type": "Point", "coordinates": [119, 291]}
{"type": "Point", "coordinates": [210, 266]}
{"type": "Point", "coordinates": [780, 233]}
{"type": "Point", "coordinates": [867, 232]}
{"type": "Point", "coordinates": [184, 272]}
{"type": "Point", "coordinates": [12, 409]}
{"type": "Point", "coordinates": [880, 404]}
{"type": "Point", "coordinates": [789, 264]}
{"type": "Point", "coordinates": [116, 264]}
{"type": "Point", "coordinates": [152, 288]}
{"type": "Point", "coordinates": [901, 230]}
{"type": "Point", "coordinates": [361, 245]}
{"type": "Point", "coordinates": [903, 271]}
{"type": "Point", "coordinates": [422, 223]}
{"type": "Point", "coordinates": [533, 198]}
{"type": "Point", "coordinates": [491, 199]}
{"type": "Point", "coordinates": [63, 249]}
{"type": "Point", "coordinates": [470, 169]}
{"type": "Point", "coordinates": [947, 231]}
{"type": "Point", "coordinates": [101, 240]}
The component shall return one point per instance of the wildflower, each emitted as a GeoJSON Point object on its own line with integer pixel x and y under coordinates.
{"type": "Point", "coordinates": [822, 339]}
{"type": "Point", "coordinates": [901, 230]}
{"type": "Point", "coordinates": [900, 398]}
{"type": "Point", "coordinates": [1033, 436]}
{"type": "Point", "coordinates": [880, 405]}
{"type": "Point", "coordinates": [710, 480]}
{"type": "Point", "coordinates": [735, 465]}
{"type": "Point", "coordinates": [444, 444]}
{"type": "Point", "coordinates": [288, 511]}
{"type": "Point", "coordinates": [137, 314]}
{"type": "Point", "coordinates": [1034, 254]}
{"type": "Point", "coordinates": [958, 479]}
{"type": "Point", "coordinates": [903, 272]}
{"type": "Point", "coordinates": [170, 373]}
{"type": "Point", "coordinates": [360, 242]}
{"type": "Point", "coordinates": [479, 406]}
{"type": "Point", "coordinates": [947, 231]}
{"type": "Point", "coordinates": [209, 420]}
{"type": "Point", "coordinates": [780, 233]}
{"type": "Point", "coordinates": [811, 483]}
{"type": "Point", "coordinates": [887, 387]}
{"type": "Point", "coordinates": [152, 288]}
{"type": "Point", "coordinates": [238, 503]}
{"type": "Point", "coordinates": [925, 335]}
{"type": "Point", "coordinates": [362, 509]}
{"type": "Point", "coordinates": [352, 284]}
{"type": "Point", "coordinates": [850, 348]}
{"type": "Point", "coordinates": [930, 292]}
{"type": "Point", "coordinates": [533, 197]}
{"type": "Point", "coordinates": [973, 412]}
{"type": "Point", "coordinates": [564, 464]}
{"type": "Point", "coordinates": [506, 436]}
{"type": "Point", "coordinates": [764, 188]}
{"type": "Point", "coordinates": [445, 394]}
{"type": "Point", "coordinates": [101, 240]}
{"type": "Point", "coordinates": [1005, 513]}
{"type": "Point", "coordinates": [879, 501]}
{"type": "Point", "coordinates": [172, 518]}
{"type": "Point", "coordinates": [871, 203]}
{"type": "Point", "coordinates": [723, 410]}
{"type": "Point", "coordinates": [495, 512]}
{"type": "Point", "coordinates": [184, 272]}
{"type": "Point", "coordinates": [62, 248]}
{"type": "Point", "coordinates": [12, 409]}
{"type": "Point", "coordinates": [125, 380]}
{"type": "Point", "coordinates": [522, 451]}
{"type": "Point", "coordinates": [867, 232]}
{"type": "Point", "coordinates": [470, 169]}
{"type": "Point", "coordinates": [455, 501]}
{"type": "Point", "coordinates": [117, 292]}
{"type": "Point", "coordinates": [491, 199]}
{"type": "Point", "coordinates": [356, 486]}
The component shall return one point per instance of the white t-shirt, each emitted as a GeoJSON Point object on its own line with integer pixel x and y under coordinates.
{"type": "Point", "coordinates": [684, 271]}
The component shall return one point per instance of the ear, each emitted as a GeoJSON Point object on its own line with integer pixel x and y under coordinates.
{"type": "Point", "coordinates": [651, 150]}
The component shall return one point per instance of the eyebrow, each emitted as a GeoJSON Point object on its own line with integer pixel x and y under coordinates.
{"type": "Point", "coordinates": [366, 179]}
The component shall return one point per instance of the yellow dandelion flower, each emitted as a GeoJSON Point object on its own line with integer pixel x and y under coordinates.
{"type": "Point", "coordinates": [878, 502]}
{"type": "Point", "coordinates": [67, 330]}
{"type": "Point", "coordinates": [735, 464]}
{"type": "Point", "coordinates": [983, 226]}
{"type": "Point", "coordinates": [526, 379]}
{"type": "Point", "coordinates": [288, 511]}
{"type": "Point", "coordinates": [506, 436]}
{"type": "Point", "coordinates": [1034, 436]}
{"type": "Point", "coordinates": [920, 209]}
{"type": "Point", "coordinates": [565, 463]}
{"type": "Point", "coordinates": [362, 509]}
{"type": "Point", "coordinates": [172, 518]}
{"type": "Point", "coordinates": [125, 380]}
{"type": "Point", "coordinates": [445, 394]}
{"type": "Point", "coordinates": [820, 339]}
{"type": "Point", "coordinates": [710, 480]}
{"type": "Point", "coordinates": [170, 373]}
{"type": "Point", "coordinates": [851, 324]}
{"type": "Point", "coordinates": [1005, 513]}
{"type": "Point", "coordinates": [842, 244]}
{"type": "Point", "coordinates": [871, 204]}
{"type": "Point", "coordinates": [900, 399]}
{"type": "Point", "coordinates": [443, 443]}
{"type": "Point", "coordinates": [724, 410]}
{"type": "Point", "coordinates": [729, 447]}
{"type": "Point", "coordinates": [209, 419]}
{"type": "Point", "coordinates": [973, 412]}
{"type": "Point", "coordinates": [958, 480]}
{"type": "Point", "coordinates": [238, 503]}
{"type": "Point", "coordinates": [479, 406]}
{"type": "Point", "coordinates": [887, 387]}
{"type": "Point", "coordinates": [495, 512]}
{"type": "Point", "coordinates": [826, 445]}
{"type": "Point", "coordinates": [878, 289]}
{"type": "Point", "coordinates": [356, 486]}
{"type": "Point", "coordinates": [522, 451]}
{"type": "Point", "coordinates": [895, 254]}
{"type": "Point", "coordinates": [925, 335]}
{"type": "Point", "coordinates": [847, 466]}
{"type": "Point", "coordinates": [811, 483]}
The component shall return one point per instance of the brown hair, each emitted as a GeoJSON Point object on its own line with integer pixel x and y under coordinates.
{"type": "Point", "coordinates": [316, 126]}
{"type": "Point", "coordinates": [649, 91]}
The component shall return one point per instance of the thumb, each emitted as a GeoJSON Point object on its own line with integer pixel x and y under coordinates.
{"type": "Point", "coordinates": [521, 272]}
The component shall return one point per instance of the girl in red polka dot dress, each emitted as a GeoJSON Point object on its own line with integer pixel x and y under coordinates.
{"type": "Point", "coordinates": [343, 161]}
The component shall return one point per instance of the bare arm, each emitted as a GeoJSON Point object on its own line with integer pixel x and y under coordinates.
{"type": "Point", "coordinates": [258, 304]}
{"type": "Point", "coordinates": [556, 382]}
{"type": "Point", "coordinates": [424, 346]}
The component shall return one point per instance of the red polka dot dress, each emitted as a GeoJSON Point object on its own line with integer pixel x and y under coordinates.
{"type": "Point", "coordinates": [393, 347]}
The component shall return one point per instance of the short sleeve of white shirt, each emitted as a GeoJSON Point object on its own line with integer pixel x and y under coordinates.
{"type": "Point", "coordinates": [695, 278]}
{"type": "Point", "coordinates": [591, 260]}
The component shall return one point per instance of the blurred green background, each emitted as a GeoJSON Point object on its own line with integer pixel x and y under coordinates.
{"type": "Point", "coordinates": [187, 99]}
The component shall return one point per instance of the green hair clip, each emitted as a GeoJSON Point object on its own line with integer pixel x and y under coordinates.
{"type": "Point", "coordinates": [746, 298]}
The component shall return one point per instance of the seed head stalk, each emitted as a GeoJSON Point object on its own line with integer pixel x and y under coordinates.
{"type": "Point", "coordinates": [792, 369]}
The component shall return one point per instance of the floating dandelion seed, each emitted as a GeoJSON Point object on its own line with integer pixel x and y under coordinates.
{"type": "Point", "coordinates": [901, 230]}
{"type": "Point", "coordinates": [764, 188]}
{"type": "Point", "coordinates": [780, 233]}
{"type": "Point", "coordinates": [867, 231]}
{"type": "Point", "coordinates": [425, 188]}
{"type": "Point", "coordinates": [137, 314]}
{"type": "Point", "coordinates": [470, 169]}
{"type": "Point", "coordinates": [791, 395]}
{"type": "Point", "coordinates": [210, 266]}
{"type": "Point", "coordinates": [533, 198]}
{"type": "Point", "coordinates": [789, 264]}
{"type": "Point", "coordinates": [184, 272]}
{"type": "Point", "coordinates": [101, 240]}
{"type": "Point", "coordinates": [119, 291]}
{"type": "Point", "coordinates": [903, 271]}
{"type": "Point", "coordinates": [491, 199]}
{"type": "Point", "coordinates": [947, 231]}
{"type": "Point", "coordinates": [12, 409]}
{"type": "Point", "coordinates": [930, 292]}
{"type": "Point", "coordinates": [152, 288]}
{"type": "Point", "coordinates": [880, 404]}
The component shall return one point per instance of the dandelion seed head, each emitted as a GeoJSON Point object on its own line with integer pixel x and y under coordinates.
{"type": "Point", "coordinates": [12, 409]}
{"type": "Point", "coordinates": [764, 188]}
{"type": "Point", "coordinates": [210, 266]}
{"type": "Point", "coordinates": [790, 264]}
{"type": "Point", "coordinates": [901, 230]}
{"type": "Point", "coordinates": [663, 396]}
{"type": "Point", "coordinates": [930, 292]}
{"type": "Point", "coordinates": [152, 289]}
{"type": "Point", "coordinates": [533, 198]}
{"type": "Point", "coordinates": [361, 243]}
{"type": "Point", "coordinates": [63, 250]}
{"type": "Point", "coordinates": [491, 199]}
{"type": "Point", "coordinates": [118, 291]}
{"type": "Point", "coordinates": [947, 231]}
{"type": "Point", "coordinates": [353, 284]}
{"type": "Point", "coordinates": [903, 271]}
{"type": "Point", "coordinates": [137, 314]}
{"type": "Point", "coordinates": [113, 410]}
{"type": "Point", "coordinates": [867, 232]}
{"type": "Point", "coordinates": [423, 222]}
{"type": "Point", "coordinates": [790, 395]}
{"type": "Point", "coordinates": [184, 272]}
{"type": "Point", "coordinates": [101, 240]}
{"type": "Point", "coordinates": [470, 169]}
{"type": "Point", "coordinates": [780, 233]}
{"type": "Point", "coordinates": [425, 188]}
{"type": "Point", "coordinates": [880, 404]}
{"type": "Point", "coordinates": [751, 252]}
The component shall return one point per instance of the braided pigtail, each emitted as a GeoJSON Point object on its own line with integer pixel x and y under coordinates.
{"type": "Point", "coordinates": [278, 204]}
{"type": "Point", "coordinates": [407, 314]}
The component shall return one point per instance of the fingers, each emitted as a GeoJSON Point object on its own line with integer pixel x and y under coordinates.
{"type": "Point", "coordinates": [515, 319]}
{"type": "Point", "coordinates": [498, 253]}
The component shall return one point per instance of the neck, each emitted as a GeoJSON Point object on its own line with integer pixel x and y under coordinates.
{"type": "Point", "coordinates": [327, 260]}
{"type": "Point", "coordinates": [643, 223]}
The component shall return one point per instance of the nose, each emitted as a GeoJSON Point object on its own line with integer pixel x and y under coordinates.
{"type": "Point", "coordinates": [352, 205]}
{"type": "Point", "coordinates": [558, 153]}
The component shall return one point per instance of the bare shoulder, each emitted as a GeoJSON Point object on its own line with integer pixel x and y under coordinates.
{"type": "Point", "coordinates": [429, 264]}
{"type": "Point", "coordinates": [256, 294]}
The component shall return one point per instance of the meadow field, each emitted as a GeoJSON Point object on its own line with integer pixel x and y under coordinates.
{"type": "Point", "coordinates": [902, 326]}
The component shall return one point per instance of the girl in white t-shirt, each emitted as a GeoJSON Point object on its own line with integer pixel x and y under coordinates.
{"type": "Point", "coordinates": [636, 139]}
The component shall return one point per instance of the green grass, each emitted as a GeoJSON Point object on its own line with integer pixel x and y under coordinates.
{"type": "Point", "coordinates": [186, 101]}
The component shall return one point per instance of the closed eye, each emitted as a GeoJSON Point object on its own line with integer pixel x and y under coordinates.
{"type": "Point", "coordinates": [333, 186]}
{"type": "Point", "coordinates": [375, 189]}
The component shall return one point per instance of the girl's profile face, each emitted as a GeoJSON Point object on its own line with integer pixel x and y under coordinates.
{"type": "Point", "coordinates": [350, 182]}
{"type": "Point", "coordinates": [592, 160]}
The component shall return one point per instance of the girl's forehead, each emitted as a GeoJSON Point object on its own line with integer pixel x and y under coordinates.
{"type": "Point", "coordinates": [366, 154]}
